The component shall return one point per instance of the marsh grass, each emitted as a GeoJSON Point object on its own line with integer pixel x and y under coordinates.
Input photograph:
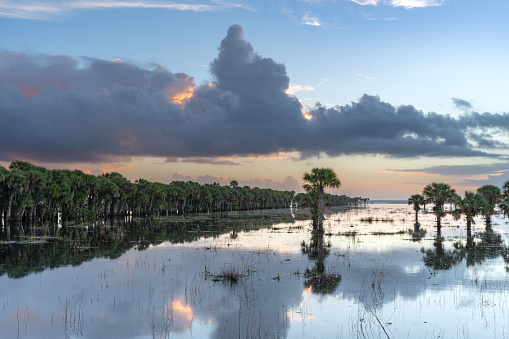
{"type": "Point", "coordinates": [229, 275]}
{"type": "Point", "coordinates": [348, 234]}
{"type": "Point", "coordinates": [376, 219]}
{"type": "Point", "coordinates": [388, 233]}
{"type": "Point", "coordinates": [321, 282]}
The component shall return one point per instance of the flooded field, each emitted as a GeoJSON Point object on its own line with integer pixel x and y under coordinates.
{"type": "Point", "coordinates": [258, 275]}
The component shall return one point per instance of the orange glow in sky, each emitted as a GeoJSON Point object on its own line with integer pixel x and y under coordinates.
{"type": "Point", "coordinates": [115, 168]}
{"type": "Point", "coordinates": [181, 98]}
{"type": "Point", "coordinates": [180, 95]}
{"type": "Point", "coordinates": [307, 115]}
{"type": "Point", "coordinates": [280, 155]}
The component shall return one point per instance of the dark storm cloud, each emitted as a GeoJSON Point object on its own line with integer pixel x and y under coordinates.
{"type": "Point", "coordinates": [61, 108]}
{"type": "Point", "coordinates": [372, 126]}
{"type": "Point", "coordinates": [498, 121]}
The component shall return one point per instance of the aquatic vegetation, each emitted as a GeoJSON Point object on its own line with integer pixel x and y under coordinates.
{"type": "Point", "coordinates": [229, 275]}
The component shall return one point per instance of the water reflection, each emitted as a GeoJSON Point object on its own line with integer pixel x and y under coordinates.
{"type": "Point", "coordinates": [491, 246]}
{"type": "Point", "coordinates": [317, 279]}
{"type": "Point", "coordinates": [439, 258]}
{"type": "Point", "coordinates": [418, 233]}
{"type": "Point", "coordinates": [152, 278]}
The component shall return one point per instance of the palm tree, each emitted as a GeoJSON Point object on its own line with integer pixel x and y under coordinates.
{"type": "Point", "coordinates": [417, 200]}
{"type": "Point", "coordinates": [316, 182]}
{"type": "Point", "coordinates": [439, 194]}
{"type": "Point", "coordinates": [493, 195]}
{"type": "Point", "coordinates": [471, 205]}
{"type": "Point", "coordinates": [504, 203]}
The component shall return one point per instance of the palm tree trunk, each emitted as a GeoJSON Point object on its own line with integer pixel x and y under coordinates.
{"type": "Point", "coordinates": [321, 208]}
{"type": "Point", "coordinates": [470, 239]}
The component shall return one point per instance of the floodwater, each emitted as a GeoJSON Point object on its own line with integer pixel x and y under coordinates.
{"type": "Point", "coordinates": [258, 275]}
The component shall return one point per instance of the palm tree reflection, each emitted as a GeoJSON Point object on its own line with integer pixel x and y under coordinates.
{"type": "Point", "coordinates": [439, 258]}
{"type": "Point", "coordinates": [491, 246]}
{"type": "Point", "coordinates": [417, 233]}
{"type": "Point", "coordinates": [317, 278]}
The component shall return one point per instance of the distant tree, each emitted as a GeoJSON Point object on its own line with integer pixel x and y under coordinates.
{"type": "Point", "coordinates": [493, 195]}
{"type": "Point", "coordinates": [504, 203]}
{"type": "Point", "coordinates": [417, 200]}
{"type": "Point", "coordinates": [316, 182]}
{"type": "Point", "coordinates": [234, 183]}
{"type": "Point", "coordinates": [439, 194]}
{"type": "Point", "coordinates": [471, 205]}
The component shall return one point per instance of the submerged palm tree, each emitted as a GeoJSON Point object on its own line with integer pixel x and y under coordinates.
{"type": "Point", "coordinates": [439, 194]}
{"type": "Point", "coordinates": [492, 195]}
{"type": "Point", "coordinates": [417, 200]}
{"type": "Point", "coordinates": [504, 203]}
{"type": "Point", "coordinates": [471, 205]}
{"type": "Point", "coordinates": [316, 182]}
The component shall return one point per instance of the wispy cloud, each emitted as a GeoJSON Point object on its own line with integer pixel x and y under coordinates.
{"type": "Point", "coordinates": [202, 160]}
{"type": "Point", "coordinates": [311, 20]}
{"type": "Point", "coordinates": [38, 10]}
{"type": "Point", "coordinates": [366, 2]}
{"type": "Point", "coordinates": [323, 81]}
{"type": "Point", "coordinates": [471, 176]}
{"type": "Point", "coordinates": [293, 88]}
{"type": "Point", "coordinates": [496, 169]}
{"type": "Point", "coordinates": [463, 105]}
{"type": "Point", "coordinates": [365, 76]}
{"type": "Point", "coordinates": [407, 4]}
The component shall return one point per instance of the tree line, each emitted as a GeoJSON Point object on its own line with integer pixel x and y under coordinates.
{"type": "Point", "coordinates": [33, 193]}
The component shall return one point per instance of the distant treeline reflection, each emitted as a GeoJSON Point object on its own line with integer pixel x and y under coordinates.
{"type": "Point", "coordinates": [26, 249]}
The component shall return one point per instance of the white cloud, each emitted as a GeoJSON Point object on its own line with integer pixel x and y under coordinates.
{"type": "Point", "coordinates": [366, 2]}
{"type": "Point", "coordinates": [293, 88]}
{"type": "Point", "coordinates": [311, 20]}
{"type": "Point", "coordinates": [37, 10]}
{"type": "Point", "coordinates": [407, 4]}
{"type": "Point", "coordinates": [365, 76]}
{"type": "Point", "coordinates": [323, 81]}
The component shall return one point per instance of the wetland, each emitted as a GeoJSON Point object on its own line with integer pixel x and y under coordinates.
{"type": "Point", "coordinates": [258, 274]}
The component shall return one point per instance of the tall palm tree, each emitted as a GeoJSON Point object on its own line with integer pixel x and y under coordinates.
{"type": "Point", "coordinates": [471, 205]}
{"type": "Point", "coordinates": [417, 200]}
{"type": "Point", "coordinates": [493, 195]}
{"type": "Point", "coordinates": [504, 203]}
{"type": "Point", "coordinates": [439, 194]}
{"type": "Point", "coordinates": [316, 182]}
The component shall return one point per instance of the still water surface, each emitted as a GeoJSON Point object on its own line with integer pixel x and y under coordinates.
{"type": "Point", "coordinates": [382, 278]}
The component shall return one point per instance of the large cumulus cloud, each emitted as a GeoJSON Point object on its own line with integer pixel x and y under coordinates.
{"type": "Point", "coordinates": [63, 108]}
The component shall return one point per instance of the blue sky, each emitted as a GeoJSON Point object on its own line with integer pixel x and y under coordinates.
{"type": "Point", "coordinates": [447, 60]}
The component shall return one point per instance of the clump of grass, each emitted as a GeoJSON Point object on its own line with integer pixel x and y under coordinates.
{"type": "Point", "coordinates": [371, 219]}
{"type": "Point", "coordinates": [388, 233]}
{"type": "Point", "coordinates": [228, 275]}
{"type": "Point", "coordinates": [348, 234]}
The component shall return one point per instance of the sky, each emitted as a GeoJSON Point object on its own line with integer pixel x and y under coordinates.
{"type": "Point", "coordinates": [390, 94]}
